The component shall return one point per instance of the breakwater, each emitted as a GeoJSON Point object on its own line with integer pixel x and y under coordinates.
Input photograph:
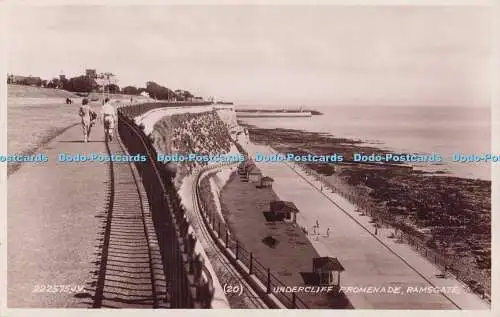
{"type": "Point", "coordinates": [256, 114]}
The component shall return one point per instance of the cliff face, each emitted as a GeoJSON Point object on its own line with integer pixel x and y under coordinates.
{"type": "Point", "coordinates": [202, 133]}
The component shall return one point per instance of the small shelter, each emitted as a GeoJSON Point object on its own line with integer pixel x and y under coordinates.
{"type": "Point", "coordinates": [254, 174]}
{"type": "Point", "coordinates": [284, 210]}
{"type": "Point", "coordinates": [266, 182]}
{"type": "Point", "coordinates": [326, 268]}
{"type": "Point", "coordinates": [244, 166]}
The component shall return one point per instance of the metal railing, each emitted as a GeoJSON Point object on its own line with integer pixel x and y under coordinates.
{"type": "Point", "coordinates": [188, 282]}
{"type": "Point", "coordinates": [221, 230]}
{"type": "Point", "coordinates": [138, 109]}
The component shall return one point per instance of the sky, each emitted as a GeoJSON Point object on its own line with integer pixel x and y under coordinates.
{"type": "Point", "coordinates": [269, 55]}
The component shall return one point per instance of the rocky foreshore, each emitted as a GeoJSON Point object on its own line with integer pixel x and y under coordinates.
{"type": "Point", "coordinates": [448, 214]}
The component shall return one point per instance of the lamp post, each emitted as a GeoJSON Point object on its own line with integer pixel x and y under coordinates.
{"type": "Point", "coordinates": [106, 78]}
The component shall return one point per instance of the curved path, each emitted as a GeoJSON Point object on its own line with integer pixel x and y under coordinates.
{"type": "Point", "coordinates": [227, 274]}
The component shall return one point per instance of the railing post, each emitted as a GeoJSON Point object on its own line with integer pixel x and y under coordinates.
{"type": "Point", "coordinates": [268, 281]}
{"type": "Point", "coordinates": [218, 229]}
{"type": "Point", "coordinates": [227, 238]}
{"type": "Point", "coordinates": [237, 249]}
{"type": "Point", "coordinates": [250, 269]}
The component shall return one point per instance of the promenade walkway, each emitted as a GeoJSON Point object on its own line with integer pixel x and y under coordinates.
{"type": "Point", "coordinates": [369, 261]}
{"type": "Point", "coordinates": [65, 246]}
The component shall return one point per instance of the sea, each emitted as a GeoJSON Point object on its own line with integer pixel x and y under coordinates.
{"type": "Point", "coordinates": [404, 129]}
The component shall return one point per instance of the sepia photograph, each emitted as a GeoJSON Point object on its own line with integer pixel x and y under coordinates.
{"type": "Point", "coordinates": [249, 157]}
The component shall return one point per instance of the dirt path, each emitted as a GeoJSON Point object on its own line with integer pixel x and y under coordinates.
{"type": "Point", "coordinates": [52, 224]}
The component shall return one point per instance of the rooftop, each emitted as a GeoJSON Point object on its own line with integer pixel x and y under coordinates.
{"type": "Point", "coordinates": [328, 263]}
{"type": "Point", "coordinates": [283, 206]}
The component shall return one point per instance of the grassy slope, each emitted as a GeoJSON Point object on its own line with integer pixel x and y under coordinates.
{"type": "Point", "coordinates": [18, 91]}
{"type": "Point", "coordinates": [32, 124]}
{"type": "Point", "coordinates": [36, 92]}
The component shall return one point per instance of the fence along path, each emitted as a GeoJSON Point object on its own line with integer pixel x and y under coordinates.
{"type": "Point", "coordinates": [188, 284]}
{"type": "Point", "coordinates": [259, 276]}
{"type": "Point", "coordinates": [127, 277]}
{"type": "Point", "coordinates": [246, 296]}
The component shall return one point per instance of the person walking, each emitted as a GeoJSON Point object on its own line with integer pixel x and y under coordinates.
{"type": "Point", "coordinates": [88, 117]}
{"type": "Point", "coordinates": [109, 118]}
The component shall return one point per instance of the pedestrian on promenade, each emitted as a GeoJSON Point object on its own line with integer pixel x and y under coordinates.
{"type": "Point", "coordinates": [328, 232]}
{"type": "Point", "coordinates": [88, 116]}
{"type": "Point", "coordinates": [109, 118]}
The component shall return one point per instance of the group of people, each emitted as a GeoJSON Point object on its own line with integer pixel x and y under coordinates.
{"type": "Point", "coordinates": [89, 117]}
{"type": "Point", "coordinates": [316, 231]}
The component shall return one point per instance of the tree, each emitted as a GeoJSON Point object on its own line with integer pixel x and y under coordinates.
{"type": "Point", "coordinates": [81, 84]}
{"type": "Point", "coordinates": [112, 88]}
{"type": "Point", "coordinates": [64, 83]}
{"type": "Point", "coordinates": [106, 79]}
{"type": "Point", "coordinates": [159, 92]}
{"type": "Point", "coordinates": [183, 95]}
{"type": "Point", "coordinates": [54, 83]}
{"type": "Point", "coordinates": [188, 95]}
{"type": "Point", "coordinates": [130, 90]}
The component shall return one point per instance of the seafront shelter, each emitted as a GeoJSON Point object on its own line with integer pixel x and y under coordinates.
{"type": "Point", "coordinates": [245, 166]}
{"type": "Point", "coordinates": [326, 268]}
{"type": "Point", "coordinates": [284, 211]}
{"type": "Point", "coordinates": [266, 182]}
{"type": "Point", "coordinates": [254, 174]}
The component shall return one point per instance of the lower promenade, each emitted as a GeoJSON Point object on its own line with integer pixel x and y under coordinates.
{"type": "Point", "coordinates": [370, 260]}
